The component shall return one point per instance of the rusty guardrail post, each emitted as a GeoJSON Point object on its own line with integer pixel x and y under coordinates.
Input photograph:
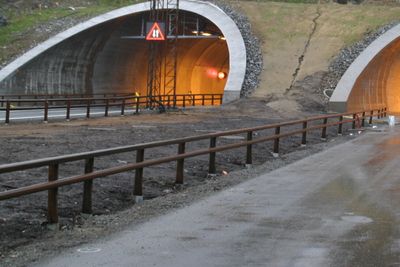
{"type": "Point", "coordinates": [52, 204]}
{"type": "Point", "coordinates": [363, 119]}
{"type": "Point", "coordinates": [88, 109]}
{"type": "Point", "coordinates": [353, 124]}
{"type": "Point", "coordinates": [168, 102]}
{"type": "Point", "coordinates": [340, 126]}
{"type": "Point", "coordinates": [212, 100]}
{"type": "Point", "coordinates": [106, 108]}
{"type": "Point", "coordinates": [67, 117]}
{"type": "Point", "coordinates": [323, 134]}
{"type": "Point", "coordinates": [8, 107]}
{"type": "Point", "coordinates": [46, 111]}
{"type": "Point", "coordinates": [370, 117]}
{"type": "Point", "coordinates": [304, 134]}
{"type": "Point", "coordinates": [184, 101]}
{"type": "Point", "coordinates": [137, 105]}
{"type": "Point", "coordinates": [385, 112]}
{"type": "Point", "coordinates": [138, 188]}
{"type": "Point", "coordinates": [379, 113]}
{"type": "Point", "coordinates": [203, 100]}
{"type": "Point", "coordinates": [88, 188]}
{"type": "Point", "coordinates": [249, 149]}
{"type": "Point", "coordinates": [221, 99]}
{"type": "Point", "coordinates": [211, 166]}
{"type": "Point", "coordinates": [276, 142]}
{"type": "Point", "coordinates": [123, 107]}
{"type": "Point", "coordinates": [180, 164]}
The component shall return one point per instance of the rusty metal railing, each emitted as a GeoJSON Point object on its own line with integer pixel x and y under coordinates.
{"type": "Point", "coordinates": [357, 119]}
{"type": "Point", "coordinates": [135, 103]}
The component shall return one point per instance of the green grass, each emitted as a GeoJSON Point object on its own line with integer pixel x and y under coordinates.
{"type": "Point", "coordinates": [23, 21]}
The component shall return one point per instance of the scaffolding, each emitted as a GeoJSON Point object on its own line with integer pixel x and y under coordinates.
{"type": "Point", "coordinates": [163, 56]}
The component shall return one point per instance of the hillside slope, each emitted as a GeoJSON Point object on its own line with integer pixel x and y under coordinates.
{"type": "Point", "coordinates": [300, 40]}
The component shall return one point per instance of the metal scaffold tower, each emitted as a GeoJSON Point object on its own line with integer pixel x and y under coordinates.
{"type": "Point", "coordinates": [162, 65]}
{"type": "Point", "coordinates": [171, 58]}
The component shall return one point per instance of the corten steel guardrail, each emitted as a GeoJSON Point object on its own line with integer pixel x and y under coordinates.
{"type": "Point", "coordinates": [135, 103]}
{"type": "Point", "coordinates": [56, 96]}
{"type": "Point", "coordinates": [356, 119]}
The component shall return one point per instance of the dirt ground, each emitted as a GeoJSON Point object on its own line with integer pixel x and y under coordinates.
{"type": "Point", "coordinates": [24, 234]}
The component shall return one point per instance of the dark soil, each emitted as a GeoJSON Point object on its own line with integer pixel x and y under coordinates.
{"type": "Point", "coordinates": [24, 233]}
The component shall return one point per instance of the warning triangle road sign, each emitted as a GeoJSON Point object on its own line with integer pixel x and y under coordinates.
{"type": "Point", "coordinates": [155, 33]}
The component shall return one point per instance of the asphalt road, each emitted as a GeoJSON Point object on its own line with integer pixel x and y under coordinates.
{"type": "Point", "coordinates": [59, 114]}
{"type": "Point", "coordinates": [339, 207]}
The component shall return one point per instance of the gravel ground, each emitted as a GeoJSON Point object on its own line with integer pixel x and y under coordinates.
{"type": "Point", "coordinates": [25, 235]}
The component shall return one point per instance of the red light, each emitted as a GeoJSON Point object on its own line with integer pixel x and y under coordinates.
{"type": "Point", "coordinates": [212, 73]}
{"type": "Point", "coordinates": [221, 75]}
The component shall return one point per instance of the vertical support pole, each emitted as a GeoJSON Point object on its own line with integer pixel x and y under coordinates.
{"type": "Point", "coordinates": [2, 102]}
{"type": "Point", "coordinates": [249, 153]}
{"type": "Point", "coordinates": [8, 107]}
{"type": "Point", "coordinates": [323, 134]}
{"type": "Point", "coordinates": [123, 107]}
{"type": "Point", "coordinates": [340, 127]}
{"type": "Point", "coordinates": [184, 101]}
{"type": "Point", "coordinates": [203, 100]}
{"type": "Point", "coordinates": [212, 100]}
{"type": "Point", "coordinates": [363, 119]}
{"type": "Point", "coordinates": [138, 189]}
{"type": "Point", "coordinates": [168, 101]}
{"type": "Point", "coordinates": [353, 125]}
{"type": "Point", "coordinates": [370, 117]}
{"type": "Point", "coordinates": [87, 188]}
{"type": "Point", "coordinates": [46, 111]}
{"type": "Point", "coordinates": [180, 165]}
{"type": "Point", "coordinates": [67, 117]}
{"type": "Point", "coordinates": [211, 166]}
{"type": "Point", "coordinates": [385, 112]}
{"type": "Point", "coordinates": [220, 99]}
{"type": "Point", "coordinates": [88, 109]}
{"type": "Point", "coordinates": [137, 105]}
{"type": "Point", "coordinates": [304, 135]}
{"type": "Point", "coordinates": [194, 100]}
{"type": "Point", "coordinates": [52, 205]}
{"type": "Point", "coordinates": [276, 141]}
{"type": "Point", "coordinates": [379, 113]}
{"type": "Point", "coordinates": [106, 108]}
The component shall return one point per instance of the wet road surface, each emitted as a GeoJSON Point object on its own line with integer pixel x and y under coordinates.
{"type": "Point", "coordinates": [38, 114]}
{"type": "Point", "coordinates": [336, 208]}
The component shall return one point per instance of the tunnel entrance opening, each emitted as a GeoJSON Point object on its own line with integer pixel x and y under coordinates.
{"type": "Point", "coordinates": [108, 54]}
{"type": "Point", "coordinates": [199, 48]}
{"type": "Point", "coordinates": [372, 81]}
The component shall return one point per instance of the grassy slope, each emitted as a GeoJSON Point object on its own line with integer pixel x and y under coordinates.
{"type": "Point", "coordinates": [284, 29]}
{"type": "Point", "coordinates": [20, 33]}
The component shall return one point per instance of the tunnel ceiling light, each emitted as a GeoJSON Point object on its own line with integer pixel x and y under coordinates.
{"type": "Point", "coordinates": [205, 33]}
{"type": "Point", "coordinates": [221, 75]}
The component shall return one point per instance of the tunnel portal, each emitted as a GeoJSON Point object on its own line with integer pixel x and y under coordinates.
{"type": "Point", "coordinates": [372, 81]}
{"type": "Point", "coordinates": [113, 58]}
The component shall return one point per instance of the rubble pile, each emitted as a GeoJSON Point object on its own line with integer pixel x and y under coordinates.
{"type": "Point", "coordinates": [253, 49]}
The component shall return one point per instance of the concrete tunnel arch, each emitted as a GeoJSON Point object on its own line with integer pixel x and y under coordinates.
{"type": "Point", "coordinates": [373, 79]}
{"type": "Point", "coordinates": [44, 68]}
